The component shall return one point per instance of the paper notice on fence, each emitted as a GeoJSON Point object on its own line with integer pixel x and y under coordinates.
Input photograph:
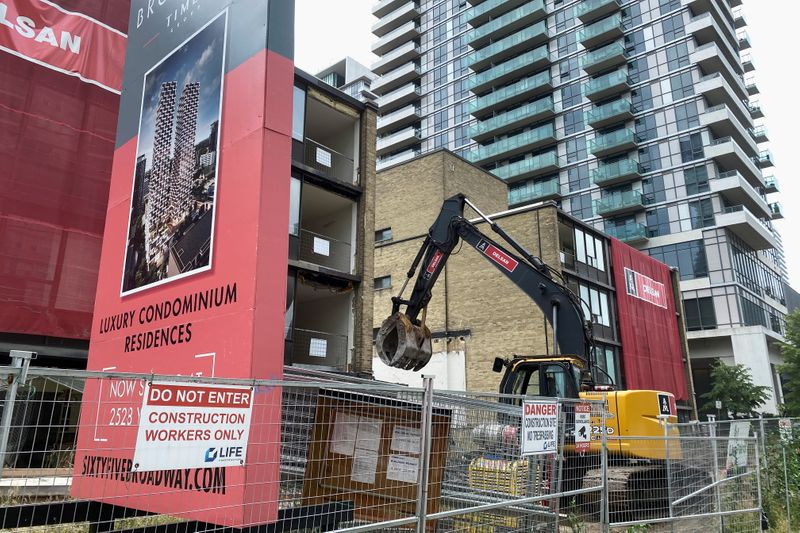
{"type": "Point", "coordinates": [737, 446]}
{"type": "Point", "coordinates": [405, 439]}
{"type": "Point", "coordinates": [369, 433]}
{"type": "Point", "coordinates": [344, 434]}
{"type": "Point", "coordinates": [403, 468]}
{"type": "Point", "coordinates": [365, 464]}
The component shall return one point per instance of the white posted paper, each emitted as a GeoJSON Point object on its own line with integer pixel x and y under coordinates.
{"type": "Point", "coordinates": [402, 468]}
{"type": "Point", "coordinates": [365, 464]}
{"type": "Point", "coordinates": [344, 434]}
{"type": "Point", "coordinates": [322, 247]}
{"type": "Point", "coordinates": [405, 439]}
{"type": "Point", "coordinates": [369, 433]}
{"type": "Point", "coordinates": [323, 157]}
{"type": "Point", "coordinates": [318, 348]}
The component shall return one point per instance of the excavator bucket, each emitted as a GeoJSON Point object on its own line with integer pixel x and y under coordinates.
{"type": "Point", "coordinates": [401, 344]}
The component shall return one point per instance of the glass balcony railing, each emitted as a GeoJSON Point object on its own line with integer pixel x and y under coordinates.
{"type": "Point", "coordinates": [776, 210]}
{"type": "Point", "coordinates": [482, 9]}
{"type": "Point", "coordinates": [507, 67]}
{"type": "Point", "coordinates": [534, 191]}
{"type": "Point", "coordinates": [765, 159]}
{"type": "Point", "coordinates": [528, 111]}
{"type": "Point", "coordinates": [607, 112]}
{"type": "Point", "coordinates": [598, 30]}
{"type": "Point", "coordinates": [494, 25]}
{"type": "Point", "coordinates": [615, 172]}
{"type": "Point", "coordinates": [630, 232]}
{"type": "Point", "coordinates": [605, 82]}
{"type": "Point", "coordinates": [619, 201]}
{"type": "Point", "coordinates": [771, 184]}
{"type": "Point", "coordinates": [602, 55]}
{"type": "Point", "coordinates": [515, 39]}
{"type": "Point", "coordinates": [538, 163]}
{"type": "Point", "coordinates": [611, 141]}
{"type": "Point", "coordinates": [588, 8]}
{"type": "Point", "coordinates": [523, 86]}
{"type": "Point", "coordinates": [512, 144]}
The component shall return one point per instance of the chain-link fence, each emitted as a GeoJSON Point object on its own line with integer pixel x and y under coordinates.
{"type": "Point", "coordinates": [92, 451]}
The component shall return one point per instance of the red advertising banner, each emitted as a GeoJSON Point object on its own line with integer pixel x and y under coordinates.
{"type": "Point", "coordinates": [193, 268]}
{"type": "Point", "coordinates": [72, 43]}
{"type": "Point", "coordinates": [651, 345]}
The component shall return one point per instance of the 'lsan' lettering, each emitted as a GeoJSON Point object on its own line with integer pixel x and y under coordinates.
{"type": "Point", "coordinates": [26, 27]}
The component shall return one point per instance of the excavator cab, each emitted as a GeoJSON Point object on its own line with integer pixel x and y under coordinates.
{"type": "Point", "coordinates": [542, 376]}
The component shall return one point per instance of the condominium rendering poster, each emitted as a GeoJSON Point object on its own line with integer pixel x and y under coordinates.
{"type": "Point", "coordinates": [175, 182]}
{"type": "Point", "coordinates": [192, 277]}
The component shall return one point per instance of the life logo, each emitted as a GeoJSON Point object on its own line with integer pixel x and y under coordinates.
{"type": "Point", "coordinates": [225, 455]}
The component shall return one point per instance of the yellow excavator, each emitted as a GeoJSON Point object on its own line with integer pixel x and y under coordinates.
{"type": "Point", "coordinates": [638, 469]}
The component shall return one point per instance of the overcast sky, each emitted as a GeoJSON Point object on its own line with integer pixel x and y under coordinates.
{"type": "Point", "coordinates": [328, 30]}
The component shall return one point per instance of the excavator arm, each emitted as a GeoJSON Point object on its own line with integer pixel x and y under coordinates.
{"type": "Point", "coordinates": [403, 340]}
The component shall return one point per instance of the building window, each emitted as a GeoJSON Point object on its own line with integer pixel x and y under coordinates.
{"type": "Point", "coordinates": [650, 158]}
{"type": "Point", "coordinates": [294, 206]}
{"type": "Point", "coordinates": [581, 206]}
{"type": "Point", "coordinates": [578, 177]}
{"type": "Point", "coordinates": [653, 190]}
{"type": "Point", "coordinates": [688, 257]}
{"type": "Point", "coordinates": [642, 99]}
{"type": "Point", "coordinates": [691, 147]}
{"type": "Point", "coordinates": [673, 27]}
{"type": "Point", "coordinates": [646, 128]}
{"type": "Point", "coordinates": [696, 180]}
{"type": "Point", "coordinates": [595, 305]}
{"type": "Point", "coordinates": [752, 313]}
{"type": "Point", "coordinates": [384, 282]}
{"type": "Point", "coordinates": [669, 5]}
{"type": "Point", "coordinates": [682, 85]}
{"type": "Point", "coordinates": [606, 359]}
{"type": "Point", "coordinates": [639, 70]}
{"type": "Point", "coordinates": [634, 43]}
{"type": "Point", "coordinates": [573, 121]}
{"type": "Point", "coordinates": [298, 113]}
{"type": "Point", "coordinates": [576, 149]}
{"type": "Point", "coordinates": [699, 314]}
{"type": "Point", "coordinates": [384, 234]}
{"type": "Point", "coordinates": [589, 250]}
{"type": "Point", "coordinates": [677, 56]}
{"type": "Point", "coordinates": [657, 222]}
{"type": "Point", "coordinates": [701, 213]}
{"type": "Point", "coordinates": [686, 116]}
{"type": "Point", "coordinates": [570, 95]}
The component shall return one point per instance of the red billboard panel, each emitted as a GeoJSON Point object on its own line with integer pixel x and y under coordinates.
{"type": "Point", "coordinates": [60, 75]}
{"type": "Point", "coordinates": [192, 273]}
{"type": "Point", "coordinates": [651, 346]}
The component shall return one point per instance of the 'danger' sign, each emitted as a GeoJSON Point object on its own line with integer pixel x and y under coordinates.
{"type": "Point", "coordinates": [192, 426]}
{"type": "Point", "coordinates": [539, 428]}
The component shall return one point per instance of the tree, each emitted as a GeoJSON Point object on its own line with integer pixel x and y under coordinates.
{"type": "Point", "coordinates": [733, 386]}
{"type": "Point", "coordinates": [790, 369]}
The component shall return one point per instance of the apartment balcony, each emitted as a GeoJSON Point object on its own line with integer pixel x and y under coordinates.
{"type": "Point", "coordinates": [607, 85]}
{"type": "Point", "coordinates": [744, 41]}
{"type": "Point", "coordinates": [729, 156]}
{"type": "Point", "coordinates": [706, 29]}
{"type": "Point", "coordinates": [385, 7]}
{"type": "Point", "coordinates": [619, 203]}
{"type": "Point", "coordinates": [608, 114]}
{"type": "Point", "coordinates": [622, 171]}
{"type": "Point", "coordinates": [711, 59]}
{"type": "Point", "coordinates": [527, 141]}
{"type": "Point", "coordinates": [771, 184]}
{"type": "Point", "coordinates": [529, 113]}
{"type": "Point", "coordinates": [608, 29]}
{"type": "Point", "coordinates": [739, 20]}
{"type": "Point", "coordinates": [723, 123]}
{"type": "Point", "coordinates": [604, 58]}
{"type": "Point", "coordinates": [408, 31]}
{"type": "Point", "coordinates": [396, 78]}
{"type": "Point", "coordinates": [509, 46]}
{"type": "Point", "coordinates": [534, 191]}
{"type": "Point", "coordinates": [716, 89]}
{"type": "Point", "coordinates": [324, 250]}
{"type": "Point", "coordinates": [738, 191]}
{"type": "Point", "coordinates": [765, 159]}
{"type": "Point", "coordinates": [398, 98]}
{"type": "Point", "coordinates": [395, 19]}
{"type": "Point", "coordinates": [760, 134]}
{"type": "Point", "coordinates": [396, 159]}
{"type": "Point", "coordinates": [399, 56]}
{"type": "Point", "coordinates": [396, 141]}
{"type": "Point", "coordinates": [489, 9]}
{"type": "Point", "coordinates": [604, 145]}
{"type": "Point", "coordinates": [776, 211]}
{"type": "Point", "coordinates": [329, 162]}
{"type": "Point", "coordinates": [756, 111]}
{"type": "Point", "coordinates": [747, 62]}
{"type": "Point", "coordinates": [751, 87]}
{"type": "Point", "coordinates": [516, 67]}
{"type": "Point", "coordinates": [739, 220]}
{"type": "Point", "coordinates": [524, 89]}
{"type": "Point", "coordinates": [589, 10]}
{"type": "Point", "coordinates": [537, 165]}
{"type": "Point", "coordinates": [735, 3]}
{"type": "Point", "coordinates": [507, 23]}
{"type": "Point", "coordinates": [397, 119]}
{"type": "Point", "coordinates": [630, 233]}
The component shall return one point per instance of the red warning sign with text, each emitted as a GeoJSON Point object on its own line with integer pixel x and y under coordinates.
{"type": "Point", "coordinates": [192, 426]}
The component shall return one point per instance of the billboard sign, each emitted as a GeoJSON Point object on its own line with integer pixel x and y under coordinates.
{"type": "Point", "coordinates": [193, 268]}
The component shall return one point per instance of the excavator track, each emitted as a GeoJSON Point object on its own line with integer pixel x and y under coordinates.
{"type": "Point", "coordinates": [642, 490]}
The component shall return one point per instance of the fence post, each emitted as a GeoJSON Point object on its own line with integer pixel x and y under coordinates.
{"type": "Point", "coordinates": [669, 471]}
{"type": "Point", "coordinates": [426, 423]}
{"type": "Point", "coordinates": [19, 359]}
{"type": "Point", "coordinates": [712, 430]}
{"type": "Point", "coordinates": [560, 459]}
{"type": "Point", "coordinates": [786, 490]}
{"type": "Point", "coordinates": [764, 447]}
{"type": "Point", "coordinates": [605, 518]}
{"type": "Point", "coordinates": [758, 481]}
